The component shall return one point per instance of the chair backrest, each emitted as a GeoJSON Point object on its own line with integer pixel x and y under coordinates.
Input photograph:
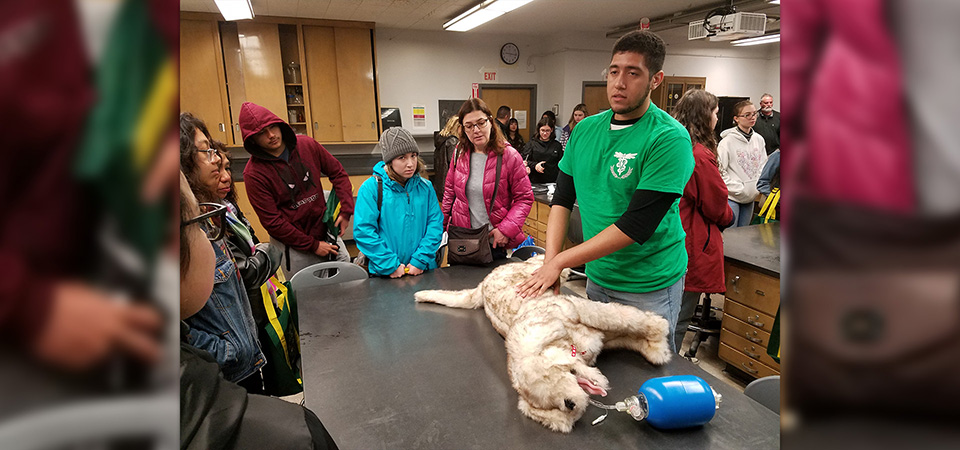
{"type": "Point", "coordinates": [330, 272]}
{"type": "Point", "coordinates": [527, 252]}
{"type": "Point", "coordinates": [765, 391]}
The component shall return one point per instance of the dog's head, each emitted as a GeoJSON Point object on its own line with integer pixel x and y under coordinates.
{"type": "Point", "coordinates": [555, 388]}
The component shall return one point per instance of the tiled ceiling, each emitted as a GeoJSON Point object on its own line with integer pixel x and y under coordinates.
{"type": "Point", "coordinates": [540, 17]}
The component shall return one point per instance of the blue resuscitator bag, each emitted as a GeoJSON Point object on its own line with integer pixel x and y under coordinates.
{"type": "Point", "coordinates": [679, 401]}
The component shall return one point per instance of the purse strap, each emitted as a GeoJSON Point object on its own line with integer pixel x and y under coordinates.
{"type": "Point", "coordinates": [496, 186]}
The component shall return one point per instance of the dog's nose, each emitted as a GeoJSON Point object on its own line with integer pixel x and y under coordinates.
{"type": "Point", "coordinates": [569, 404]}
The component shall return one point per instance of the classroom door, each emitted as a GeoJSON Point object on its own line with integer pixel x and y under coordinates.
{"type": "Point", "coordinates": [595, 97]}
{"type": "Point", "coordinates": [520, 98]}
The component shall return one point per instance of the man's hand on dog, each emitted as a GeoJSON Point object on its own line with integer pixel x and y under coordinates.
{"type": "Point", "coordinates": [540, 280]}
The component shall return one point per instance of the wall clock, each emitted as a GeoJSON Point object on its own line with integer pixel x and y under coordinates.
{"type": "Point", "coordinates": [510, 53]}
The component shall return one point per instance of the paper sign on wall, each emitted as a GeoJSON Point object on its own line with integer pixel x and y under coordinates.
{"type": "Point", "coordinates": [419, 116]}
{"type": "Point", "coordinates": [521, 117]}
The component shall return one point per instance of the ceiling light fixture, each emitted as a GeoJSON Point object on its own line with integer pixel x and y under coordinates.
{"type": "Point", "coordinates": [768, 39]}
{"type": "Point", "coordinates": [482, 13]}
{"type": "Point", "coordinates": [235, 9]}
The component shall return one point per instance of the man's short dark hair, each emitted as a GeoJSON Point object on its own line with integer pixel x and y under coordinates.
{"type": "Point", "coordinates": [503, 112]}
{"type": "Point", "coordinates": [645, 43]}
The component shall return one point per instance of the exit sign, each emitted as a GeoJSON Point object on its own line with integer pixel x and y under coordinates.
{"type": "Point", "coordinates": [490, 76]}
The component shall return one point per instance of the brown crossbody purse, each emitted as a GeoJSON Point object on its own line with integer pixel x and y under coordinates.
{"type": "Point", "coordinates": [471, 245]}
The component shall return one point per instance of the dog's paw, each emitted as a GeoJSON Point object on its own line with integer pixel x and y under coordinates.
{"type": "Point", "coordinates": [657, 352]}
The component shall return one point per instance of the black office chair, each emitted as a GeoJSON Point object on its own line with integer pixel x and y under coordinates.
{"type": "Point", "coordinates": [705, 322]}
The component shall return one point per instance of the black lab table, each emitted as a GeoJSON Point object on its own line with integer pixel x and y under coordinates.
{"type": "Point", "coordinates": [383, 372]}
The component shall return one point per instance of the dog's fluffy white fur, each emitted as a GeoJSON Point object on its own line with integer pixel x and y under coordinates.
{"type": "Point", "coordinates": [541, 334]}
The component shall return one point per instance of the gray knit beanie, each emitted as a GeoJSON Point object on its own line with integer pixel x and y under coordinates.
{"type": "Point", "coordinates": [395, 142]}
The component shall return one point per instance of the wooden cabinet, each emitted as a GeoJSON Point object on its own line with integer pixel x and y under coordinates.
{"type": "Point", "coordinates": [750, 306]}
{"type": "Point", "coordinates": [535, 225]}
{"type": "Point", "coordinates": [317, 75]}
{"type": "Point", "coordinates": [671, 89]}
{"type": "Point", "coordinates": [204, 91]}
{"type": "Point", "coordinates": [343, 101]}
{"type": "Point", "coordinates": [254, 69]}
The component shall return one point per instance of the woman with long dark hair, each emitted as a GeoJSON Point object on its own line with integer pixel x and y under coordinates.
{"type": "Point", "coordinates": [542, 154]}
{"type": "Point", "coordinates": [704, 211]}
{"type": "Point", "coordinates": [513, 135]}
{"type": "Point", "coordinates": [470, 182]}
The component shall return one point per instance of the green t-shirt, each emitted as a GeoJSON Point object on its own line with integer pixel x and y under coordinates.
{"type": "Point", "coordinates": [607, 167]}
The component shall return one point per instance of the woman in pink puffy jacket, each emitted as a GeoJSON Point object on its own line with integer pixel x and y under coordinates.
{"type": "Point", "coordinates": [469, 187]}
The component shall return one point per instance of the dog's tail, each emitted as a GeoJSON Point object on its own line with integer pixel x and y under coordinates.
{"type": "Point", "coordinates": [467, 298]}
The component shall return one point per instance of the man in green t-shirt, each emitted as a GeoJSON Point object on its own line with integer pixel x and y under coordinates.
{"type": "Point", "coordinates": [627, 167]}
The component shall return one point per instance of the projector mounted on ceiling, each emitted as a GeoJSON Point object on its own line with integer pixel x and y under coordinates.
{"type": "Point", "coordinates": [725, 24]}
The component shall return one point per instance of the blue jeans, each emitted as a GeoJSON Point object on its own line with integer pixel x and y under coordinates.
{"type": "Point", "coordinates": [664, 302]}
{"type": "Point", "coordinates": [742, 213]}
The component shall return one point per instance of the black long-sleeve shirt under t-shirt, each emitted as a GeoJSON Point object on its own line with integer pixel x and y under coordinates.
{"type": "Point", "coordinates": [642, 217]}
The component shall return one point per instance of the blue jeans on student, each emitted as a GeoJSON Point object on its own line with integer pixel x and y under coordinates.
{"type": "Point", "coordinates": [664, 302]}
{"type": "Point", "coordinates": [742, 213]}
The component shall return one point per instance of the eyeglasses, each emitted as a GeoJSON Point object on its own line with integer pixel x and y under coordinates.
{"type": "Point", "coordinates": [748, 115]}
{"type": "Point", "coordinates": [212, 154]}
{"type": "Point", "coordinates": [480, 123]}
{"type": "Point", "coordinates": [211, 220]}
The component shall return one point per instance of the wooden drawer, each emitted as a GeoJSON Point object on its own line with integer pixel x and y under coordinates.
{"type": "Point", "coordinates": [745, 363]}
{"type": "Point", "coordinates": [749, 315]}
{"type": "Point", "coordinates": [543, 212]}
{"type": "Point", "coordinates": [541, 238]}
{"type": "Point", "coordinates": [532, 215]}
{"type": "Point", "coordinates": [755, 351]}
{"type": "Point", "coordinates": [753, 289]}
{"type": "Point", "coordinates": [748, 332]}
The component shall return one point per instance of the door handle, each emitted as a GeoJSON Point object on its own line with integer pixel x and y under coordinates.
{"type": "Point", "coordinates": [755, 340]}
{"type": "Point", "coordinates": [734, 283]}
{"type": "Point", "coordinates": [316, 126]}
{"type": "Point", "coordinates": [222, 128]}
{"type": "Point", "coordinates": [753, 371]}
{"type": "Point", "coordinates": [752, 355]}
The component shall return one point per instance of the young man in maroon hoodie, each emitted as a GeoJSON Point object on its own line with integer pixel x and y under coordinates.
{"type": "Point", "coordinates": [282, 180]}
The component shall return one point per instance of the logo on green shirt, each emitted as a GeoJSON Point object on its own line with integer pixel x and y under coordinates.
{"type": "Point", "coordinates": [621, 165]}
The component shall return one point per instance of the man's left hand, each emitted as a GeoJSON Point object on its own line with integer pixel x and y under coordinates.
{"type": "Point", "coordinates": [546, 277]}
{"type": "Point", "coordinates": [341, 222]}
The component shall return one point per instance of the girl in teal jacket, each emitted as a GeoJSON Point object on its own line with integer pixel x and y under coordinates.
{"type": "Point", "coordinates": [400, 233]}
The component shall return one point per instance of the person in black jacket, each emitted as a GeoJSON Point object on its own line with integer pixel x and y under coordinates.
{"type": "Point", "coordinates": [256, 262]}
{"type": "Point", "coordinates": [215, 413]}
{"type": "Point", "coordinates": [542, 154]}
{"type": "Point", "coordinates": [444, 147]}
{"type": "Point", "coordinates": [514, 137]}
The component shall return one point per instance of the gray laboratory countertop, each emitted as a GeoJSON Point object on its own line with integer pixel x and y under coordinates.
{"type": "Point", "coordinates": [384, 372]}
{"type": "Point", "coordinates": [757, 246]}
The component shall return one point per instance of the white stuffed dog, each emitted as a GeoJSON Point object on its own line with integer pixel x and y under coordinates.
{"type": "Point", "coordinates": [553, 340]}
